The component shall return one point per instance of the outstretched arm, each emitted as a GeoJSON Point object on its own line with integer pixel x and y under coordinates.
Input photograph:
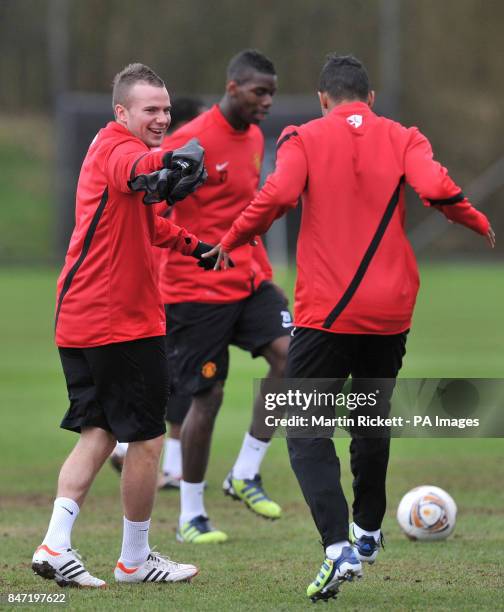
{"type": "Point", "coordinates": [279, 194]}
{"type": "Point", "coordinates": [168, 235]}
{"type": "Point", "coordinates": [128, 159]}
{"type": "Point", "coordinates": [436, 189]}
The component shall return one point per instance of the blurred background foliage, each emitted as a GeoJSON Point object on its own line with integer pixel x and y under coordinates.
{"type": "Point", "coordinates": [448, 63]}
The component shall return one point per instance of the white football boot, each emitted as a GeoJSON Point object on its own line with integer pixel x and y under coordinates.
{"type": "Point", "coordinates": [65, 567]}
{"type": "Point", "coordinates": [155, 569]}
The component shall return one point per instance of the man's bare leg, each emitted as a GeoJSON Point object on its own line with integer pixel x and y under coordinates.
{"type": "Point", "coordinates": [175, 431]}
{"type": "Point", "coordinates": [257, 439]}
{"type": "Point", "coordinates": [275, 354]}
{"type": "Point", "coordinates": [138, 489]}
{"type": "Point", "coordinates": [197, 433]}
{"type": "Point", "coordinates": [54, 558]}
{"type": "Point", "coordinates": [244, 481]}
{"type": "Point", "coordinates": [139, 477]}
{"type": "Point", "coordinates": [84, 462]}
{"type": "Point", "coordinates": [196, 440]}
{"type": "Point", "coordinates": [171, 465]}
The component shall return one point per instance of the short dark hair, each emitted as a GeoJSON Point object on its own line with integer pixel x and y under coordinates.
{"type": "Point", "coordinates": [344, 77]}
{"type": "Point", "coordinates": [242, 64]}
{"type": "Point", "coordinates": [185, 109]}
{"type": "Point", "coordinates": [129, 76]}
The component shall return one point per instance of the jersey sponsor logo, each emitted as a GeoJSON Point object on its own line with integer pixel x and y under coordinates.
{"type": "Point", "coordinates": [221, 167]}
{"type": "Point", "coordinates": [355, 120]}
{"type": "Point", "coordinates": [209, 369]}
{"type": "Point", "coordinates": [286, 319]}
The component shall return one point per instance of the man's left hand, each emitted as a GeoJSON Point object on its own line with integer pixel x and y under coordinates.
{"type": "Point", "coordinates": [187, 165]}
{"type": "Point", "coordinates": [490, 237]}
{"type": "Point", "coordinates": [223, 261]}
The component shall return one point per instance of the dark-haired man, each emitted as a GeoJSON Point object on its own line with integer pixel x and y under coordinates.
{"type": "Point", "coordinates": [208, 311]}
{"type": "Point", "coordinates": [110, 328]}
{"type": "Point", "coordinates": [185, 109]}
{"type": "Point", "coordinates": [356, 286]}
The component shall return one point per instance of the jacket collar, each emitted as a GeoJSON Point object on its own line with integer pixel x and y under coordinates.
{"type": "Point", "coordinates": [351, 108]}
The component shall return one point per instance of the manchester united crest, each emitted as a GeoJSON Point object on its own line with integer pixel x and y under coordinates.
{"type": "Point", "coordinates": [209, 369]}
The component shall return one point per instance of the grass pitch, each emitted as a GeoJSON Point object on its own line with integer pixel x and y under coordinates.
{"type": "Point", "coordinates": [265, 566]}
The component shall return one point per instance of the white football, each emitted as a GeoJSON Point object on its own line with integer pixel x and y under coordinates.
{"type": "Point", "coordinates": [427, 513]}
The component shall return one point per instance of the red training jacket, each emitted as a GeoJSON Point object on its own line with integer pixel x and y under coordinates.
{"type": "Point", "coordinates": [347, 166]}
{"type": "Point", "coordinates": [233, 161]}
{"type": "Point", "coordinates": [107, 290]}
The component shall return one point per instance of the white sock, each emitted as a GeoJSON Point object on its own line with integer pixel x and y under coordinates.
{"type": "Point", "coordinates": [135, 544]}
{"type": "Point", "coordinates": [334, 550]}
{"type": "Point", "coordinates": [63, 517]}
{"type": "Point", "coordinates": [121, 449]}
{"type": "Point", "coordinates": [249, 460]}
{"type": "Point", "coordinates": [172, 459]}
{"type": "Point", "coordinates": [191, 500]}
{"type": "Point", "coordinates": [362, 532]}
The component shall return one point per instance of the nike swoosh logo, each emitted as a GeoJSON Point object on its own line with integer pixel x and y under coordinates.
{"type": "Point", "coordinates": [69, 511]}
{"type": "Point", "coordinates": [221, 167]}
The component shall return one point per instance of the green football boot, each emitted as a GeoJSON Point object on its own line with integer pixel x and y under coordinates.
{"type": "Point", "coordinates": [332, 573]}
{"type": "Point", "coordinates": [199, 531]}
{"type": "Point", "coordinates": [251, 493]}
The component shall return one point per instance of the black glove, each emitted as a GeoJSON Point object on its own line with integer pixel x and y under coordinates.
{"type": "Point", "coordinates": [188, 169]}
{"type": "Point", "coordinates": [157, 185]}
{"type": "Point", "coordinates": [207, 263]}
{"type": "Point", "coordinates": [182, 174]}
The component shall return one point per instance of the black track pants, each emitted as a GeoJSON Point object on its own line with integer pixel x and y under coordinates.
{"type": "Point", "coordinates": [320, 354]}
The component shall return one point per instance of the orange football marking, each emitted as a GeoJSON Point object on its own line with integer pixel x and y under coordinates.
{"type": "Point", "coordinates": [415, 518]}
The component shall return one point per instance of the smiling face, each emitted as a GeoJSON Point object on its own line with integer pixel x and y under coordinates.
{"type": "Point", "coordinates": [146, 113]}
{"type": "Point", "coordinates": [251, 98]}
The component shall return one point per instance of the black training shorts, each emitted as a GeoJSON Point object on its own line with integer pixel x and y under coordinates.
{"type": "Point", "coordinates": [121, 387]}
{"type": "Point", "coordinates": [198, 338]}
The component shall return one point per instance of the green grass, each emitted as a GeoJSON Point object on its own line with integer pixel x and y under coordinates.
{"type": "Point", "coordinates": [265, 566]}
